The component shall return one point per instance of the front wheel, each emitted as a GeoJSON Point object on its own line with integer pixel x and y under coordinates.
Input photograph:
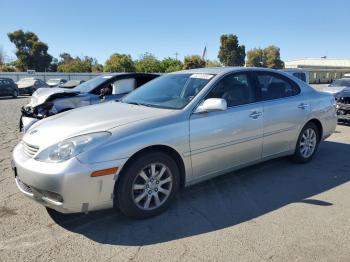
{"type": "Point", "coordinates": [307, 144]}
{"type": "Point", "coordinates": [147, 186]}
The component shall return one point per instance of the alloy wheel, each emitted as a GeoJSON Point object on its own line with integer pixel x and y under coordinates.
{"type": "Point", "coordinates": [152, 186]}
{"type": "Point", "coordinates": [308, 142]}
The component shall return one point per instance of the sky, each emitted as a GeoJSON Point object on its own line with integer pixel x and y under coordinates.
{"type": "Point", "coordinates": [301, 28]}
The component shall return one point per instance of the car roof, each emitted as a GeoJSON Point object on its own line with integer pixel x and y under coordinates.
{"type": "Point", "coordinates": [128, 73]}
{"type": "Point", "coordinates": [5, 78]}
{"type": "Point", "coordinates": [224, 70]}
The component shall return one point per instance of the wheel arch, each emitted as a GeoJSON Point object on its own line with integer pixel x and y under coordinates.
{"type": "Point", "coordinates": [161, 148]}
{"type": "Point", "coordinates": [319, 126]}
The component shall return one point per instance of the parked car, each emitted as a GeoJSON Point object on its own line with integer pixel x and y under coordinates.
{"type": "Point", "coordinates": [50, 101]}
{"type": "Point", "coordinates": [29, 85]}
{"type": "Point", "coordinates": [177, 130]}
{"type": "Point", "coordinates": [340, 89]}
{"type": "Point", "coordinates": [72, 83]}
{"type": "Point", "coordinates": [8, 87]}
{"type": "Point", "coordinates": [56, 82]}
{"type": "Point", "coordinates": [298, 73]}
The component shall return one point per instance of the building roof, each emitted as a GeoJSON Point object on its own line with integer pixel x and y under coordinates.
{"type": "Point", "coordinates": [319, 63]}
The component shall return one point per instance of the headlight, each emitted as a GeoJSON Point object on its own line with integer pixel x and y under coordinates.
{"type": "Point", "coordinates": [71, 147]}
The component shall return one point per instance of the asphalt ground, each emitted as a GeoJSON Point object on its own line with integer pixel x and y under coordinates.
{"type": "Point", "coordinates": [274, 211]}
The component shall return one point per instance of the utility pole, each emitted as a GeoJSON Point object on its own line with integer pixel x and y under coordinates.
{"type": "Point", "coordinates": [176, 54]}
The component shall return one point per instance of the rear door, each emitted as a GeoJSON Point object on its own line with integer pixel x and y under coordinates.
{"type": "Point", "coordinates": [284, 110]}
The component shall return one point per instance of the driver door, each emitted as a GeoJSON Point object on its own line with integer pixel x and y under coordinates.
{"type": "Point", "coordinates": [227, 139]}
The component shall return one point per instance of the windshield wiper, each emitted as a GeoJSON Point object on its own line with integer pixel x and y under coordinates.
{"type": "Point", "coordinates": [136, 103]}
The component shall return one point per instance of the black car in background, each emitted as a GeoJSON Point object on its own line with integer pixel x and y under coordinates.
{"type": "Point", "coordinates": [29, 85]}
{"type": "Point", "coordinates": [8, 87]}
{"type": "Point", "coordinates": [72, 83]}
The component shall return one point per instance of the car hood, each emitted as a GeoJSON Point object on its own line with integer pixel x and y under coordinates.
{"type": "Point", "coordinates": [24, 85]}
{"type": "Point", "coordinates": [42, 94]}
{"type": "Point", "coordinates": [95, 118]}
{"type": "Point", "coordinates": [333, 89]}
{"type": "Point", "coordinates": [343, 93]}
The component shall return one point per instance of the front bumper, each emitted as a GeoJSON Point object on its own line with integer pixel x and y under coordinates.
{"type": "Point", "coordinates": [69, 180]}
{"type": "Point", "coordinates": [26, 90]}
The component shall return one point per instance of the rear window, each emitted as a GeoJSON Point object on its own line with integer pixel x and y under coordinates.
{"type": "Point", "coordinates": [273, 86]}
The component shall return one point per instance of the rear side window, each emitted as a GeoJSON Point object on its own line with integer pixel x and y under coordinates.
{"type": "Point", "coordinates": [236, 89]}
{"type": "Point", "coordinates": [272, 86]}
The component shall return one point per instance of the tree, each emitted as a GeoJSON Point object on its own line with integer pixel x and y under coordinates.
{"type": "Point", "coordinates": [231, 53]}
{"type": "Point", "coordinates": [170, 65]}
{"type": "Point", "coordinates": [85, 64]}
{"type": "Point", "coordinates": [256, 58]}
{"type": "Point", "coordinates": [31, 53]}
{"type": "Point", "coordinates": [5, 68]}
{"type": "Point", "coordinates": [212, 63]}
{"type": "Point", "coordinates": [193, 61]}
{"type": "Point", "coordinates": [273, 57]}
{"type": "Point", "coordinates": [119, 63]}
{"type": "Point", "coordinates": [148, 63]}
{"type": "Point", "coordinates": [267, 57]}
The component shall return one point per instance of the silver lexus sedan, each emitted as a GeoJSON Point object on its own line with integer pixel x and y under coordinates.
{"type": "Point", "coordinates": [177, 130]}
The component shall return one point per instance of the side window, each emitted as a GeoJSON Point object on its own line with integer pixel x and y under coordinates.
{"type": "Point", "coordinates": [273, 87]}
{"type": "Point", "coordinates": [140, 80]}
{"type": "Point", "coordinates": [235, 89]}
{"type": "Point", "coordinates": [123, 86]}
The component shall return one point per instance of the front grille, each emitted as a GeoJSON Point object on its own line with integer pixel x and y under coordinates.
{"type": "Point", "coordinates": [30, 150]}
{"type": "Point", "coordinates": [344, 100]}
{"type": "Point", "coordinates": [24, 186]}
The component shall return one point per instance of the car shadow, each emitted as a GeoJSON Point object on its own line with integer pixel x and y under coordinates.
{"type": "Point", "coordinates": [222, 202]}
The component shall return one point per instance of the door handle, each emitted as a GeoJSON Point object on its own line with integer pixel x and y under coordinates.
{"type": "Point", "coordinates": [303, 106]}
{"type": "Point", "coordinates": [255, 115]}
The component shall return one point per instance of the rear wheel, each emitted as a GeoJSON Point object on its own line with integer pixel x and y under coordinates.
{"type": "Point", "coordinates": [147, 186]}
{"type": "Point", "coordinates": [307, 144]}
{"type": "Point", "coordinates": [15, 94]}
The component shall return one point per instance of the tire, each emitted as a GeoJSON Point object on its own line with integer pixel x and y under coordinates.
{"type": "Point", "coordinates": [15, 94]}
{"type": "Point", "coordinates": [139, 196]}
{"type": "Point", "coordinates": [307, 143]}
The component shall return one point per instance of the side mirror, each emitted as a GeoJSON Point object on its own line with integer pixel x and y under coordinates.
{"type": "Point", "coordinates": [211, 105]}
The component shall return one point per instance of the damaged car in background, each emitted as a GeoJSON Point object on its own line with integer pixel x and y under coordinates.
{"type": "Point", "coordinates": [29, 85]}
{"type": "Point", "coordinates": [72, 83]}
{"type": "Point", "coordinates": [46, 102]}
{"type": "Point", "coordinates": [340, 89]}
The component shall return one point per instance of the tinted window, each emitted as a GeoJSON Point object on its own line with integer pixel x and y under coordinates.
{"type": "Point", "coordinates": [235, 89]}
{"type": "Point", "coordinates": [273, 86]}
{"type": "Point", "coordinates": [341, 82]}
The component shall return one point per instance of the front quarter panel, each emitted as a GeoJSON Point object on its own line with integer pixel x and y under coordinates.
{"type": "Point", "coordinates": [170, 130]}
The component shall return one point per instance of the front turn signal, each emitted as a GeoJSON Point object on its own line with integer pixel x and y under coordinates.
{"type": "Point", "coordinates": [104, 172]}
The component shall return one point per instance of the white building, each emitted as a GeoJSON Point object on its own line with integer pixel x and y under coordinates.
{"type": "Point", "coordinates": [321, 70]}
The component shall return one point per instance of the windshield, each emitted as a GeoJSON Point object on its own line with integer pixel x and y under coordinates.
{"type": "Point", "coordinates": [173, 91]}
{"type": "Point", "coordinates": [341, 82]}
{"type": "Point", "coordinates": [90, 85]}
{"type": "Point", "coordinates": [26, 81]}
